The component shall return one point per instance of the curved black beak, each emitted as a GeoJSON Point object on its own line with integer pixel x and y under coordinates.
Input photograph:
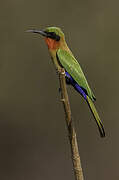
{"type": "Point", "coordinates": [51, 35]}
{"type": "Point", "coordinates": [38, 32]}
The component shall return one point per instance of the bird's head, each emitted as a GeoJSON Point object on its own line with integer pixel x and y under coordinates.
{"type": "Point", "coordinates": [53, 36]}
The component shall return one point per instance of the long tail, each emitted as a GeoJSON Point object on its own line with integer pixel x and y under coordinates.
{"type": "Point", "coordinates": [96, 116]}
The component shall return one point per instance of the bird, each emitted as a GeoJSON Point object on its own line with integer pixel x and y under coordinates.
{"type": "Point", "coordinates": [63, 57]}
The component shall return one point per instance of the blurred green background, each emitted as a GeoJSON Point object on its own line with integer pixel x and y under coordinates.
{"type": "Point", "coordinates": [33, 135]}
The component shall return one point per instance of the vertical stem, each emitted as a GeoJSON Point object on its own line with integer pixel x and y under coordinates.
{"type": "Point", "coordinates": [71, 131]}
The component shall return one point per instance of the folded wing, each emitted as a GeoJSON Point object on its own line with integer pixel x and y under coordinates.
{"type": "Point", "coordinates": [72, 66]}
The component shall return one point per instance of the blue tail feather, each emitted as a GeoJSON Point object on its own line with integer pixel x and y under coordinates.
{"type": "Point", "coordinates": [70, 80]}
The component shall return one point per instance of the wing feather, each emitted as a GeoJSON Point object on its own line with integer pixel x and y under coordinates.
{"type": "Point", "coordinates": [72, 66]}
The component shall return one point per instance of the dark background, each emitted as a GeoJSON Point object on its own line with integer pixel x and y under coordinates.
{"type": "Point", "coordinates": [33, 137]}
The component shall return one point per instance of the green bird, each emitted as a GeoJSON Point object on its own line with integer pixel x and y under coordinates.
{"type": "Point", "coordinates": [63, 57]}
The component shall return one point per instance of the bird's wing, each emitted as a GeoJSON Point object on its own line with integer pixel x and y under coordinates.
{"type": "Point", "coordinates": [72, 66]}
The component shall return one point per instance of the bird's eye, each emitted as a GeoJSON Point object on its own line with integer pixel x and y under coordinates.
{"type": "Point", "coordinates": [53, 35]}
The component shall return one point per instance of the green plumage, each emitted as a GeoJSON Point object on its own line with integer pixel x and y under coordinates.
{"type": "Point", "coordinates": [61, 55]}
{"type": "Point", "coordinates": [96, 117]}
{"type": "Point", "coordinates": [73, 68]}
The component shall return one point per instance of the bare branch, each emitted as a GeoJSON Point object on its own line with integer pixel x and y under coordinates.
{"type": "Point", "coordinates": [71, 131]}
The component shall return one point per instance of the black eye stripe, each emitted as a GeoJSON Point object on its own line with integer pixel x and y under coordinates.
{"type": "Point", "coordinates": [53, 35]}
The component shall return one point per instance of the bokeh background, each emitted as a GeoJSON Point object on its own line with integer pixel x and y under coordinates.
{"type": "Point", "coordinates": [33, 135]}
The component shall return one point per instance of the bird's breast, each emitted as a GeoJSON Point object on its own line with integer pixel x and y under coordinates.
{"type": "Point", "coordinates": [52, 44]}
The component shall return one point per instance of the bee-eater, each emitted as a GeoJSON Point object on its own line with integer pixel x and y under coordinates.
{"type": "Point", "coordinates": [63, 57]}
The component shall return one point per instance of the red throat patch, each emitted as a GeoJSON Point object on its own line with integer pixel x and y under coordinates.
{"type": "Point", "coordinates": [52, 44]}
